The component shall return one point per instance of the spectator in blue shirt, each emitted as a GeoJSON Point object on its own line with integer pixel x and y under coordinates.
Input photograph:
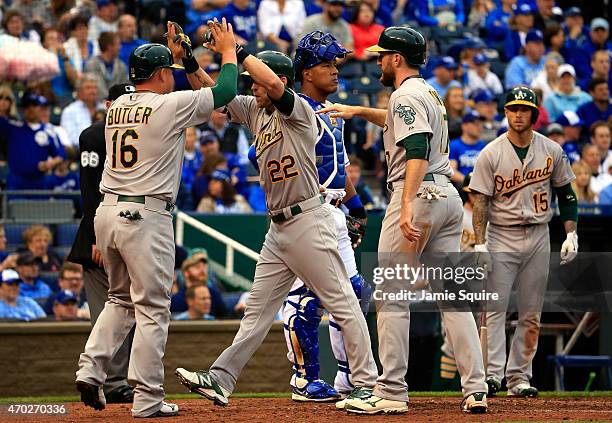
{"type": "Point", "coordinates": [576, 32]}
{"type": "Point", "coordinates": [605, 196]}
{"type": "Point", "coordinates": [63, 84]}
{"type": "Point", "coordinates": [445, 72]}
{"type": "Point", "coordinates": [31, 286]}
{"type": "Point", "coordinates": [497, 24]}
{"type": "Point", "coordinates": [485, 104]}
{"type": "Point", "coordinates": [65, 307]}
{"type": "Point", "coordinates": [524, 68]}
{"type": "Point", "coordinates": [520, 25]}
{"type": "Point", "coordinates": [353, 171]}
{"type": "Point", "coordinates": [600, 64]}
{"type": "Point", "coordinates": [598, 40]}
{"type": "Point", "coordinates": [128, 36]}
{"type": "Point", "coordinates": [598, 109]}
{"type": "Point", "coordinates": [191, 164]}
{"type": "Point", "coordinates": [572, 125]}
{"type": "Point", "coordinates": [465, 150]}
{"type": "Point", "coordinates": [242, 14]}
{"type": "Point", "coordinates": [567, 96]}
{"type": "Point", "coordinates": [199, 302]}
{"type": "Point", "coordinates": [555, 132]}
{"type": "Point", "coordinates": [198, 12]}
{"type": "Point", "coordinates": [440, 13]}
{"type": "Point", "coordinates": [14, 306]}
{"type": "Point", "coordinates": [33, 147]}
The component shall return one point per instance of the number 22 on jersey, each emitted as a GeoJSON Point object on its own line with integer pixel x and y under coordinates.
{"type": "Point", "coordinates": [282, 170]}
{"type": "Point", "coordinates": [128, 153]}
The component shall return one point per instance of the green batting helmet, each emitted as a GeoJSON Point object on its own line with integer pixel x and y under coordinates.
{"type": "Point", "coordinates": [523, 96]}
{"type": "Point", "coordinates": [280, 63]}
{"type": "Point", "coordinates": [406, 41]}
{"type": "Point", "coordinates": [147, 58]}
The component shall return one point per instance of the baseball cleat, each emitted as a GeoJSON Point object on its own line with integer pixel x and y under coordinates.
{"type": "Point", "coordinates": [376, 405]}
{"type": "Point", "coordinates": [313, 391]}
{"type": "Point", "coordinates": [91, 395]}
{"type": "Point", "coordinates": [167, 410]}
{"type": "Point", "coordinates": [202, 383]}
{"type": "Point", "coordinates": [475, 403]}
{"type": "Point", "coordinates": [523, 390]}
{"type": "Point", "coordinates": [494, 386]}
{"type": "Point", "coordinates": [356, 394]}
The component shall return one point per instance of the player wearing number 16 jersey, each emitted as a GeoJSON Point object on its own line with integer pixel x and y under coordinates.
{"type": "Point", "coordinates": [133, 225]}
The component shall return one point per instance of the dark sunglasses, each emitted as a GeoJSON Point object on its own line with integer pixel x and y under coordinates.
{"type": "Point", "coordinates": [4, 97]}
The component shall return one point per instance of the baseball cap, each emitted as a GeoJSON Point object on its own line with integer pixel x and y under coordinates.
{"type": "Point", "coordinates": [207, 137]}
{"type": "Point", "coordinates": [566, 68]}
{"type": "Point", "coordinates": [447, 62]}
{"type": "Point", "coordinates": [480, 59]}
{"type": "Point", "coordinates": [118, 90]}
{"type": "Point", "coordinates": [554, 128]}
{"type": "Point", "coordinates": [474, 42]}
{"type": "Point", "coordinates": [102, 3]}
{"type": "Point", "coordinates": [27, 258]}
{"type": "Point", "coordinates": [472, 116]}
{"type": "Point", "coordinates": [569, 118]}
{"type": "Point", "coordinates": [221, 175]}
{"type": "Point", "coordinates": [30, 99]}
{"type": "Point", "coordinates": [64, 297]}
{"type": "Point", "coordinates": [573, 11]}
{"type": "Point", "coordinates": [334, 2]}
{"type": "Point", "coordinates": [523, 9]}
{"type": "Point", "coordinates": [483, 96]}
{"type": "Point", "coordinates": [10, 276]}
{"type": "Point", "coordinates": [535, 35]}
{"type": "Point", "coordinates": [600, 23]}
{"type": "Point", "coordinates": [193, 260]}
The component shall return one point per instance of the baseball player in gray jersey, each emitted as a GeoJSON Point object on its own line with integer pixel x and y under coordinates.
{"type": "Point", "coordinates": [133, 224]}
{"type": "Point", "coordinates": [416, 146]}
{"type": "Point", "coordinates": [301, 241]}
{"type": "Point", "coordinates": [513, 180]}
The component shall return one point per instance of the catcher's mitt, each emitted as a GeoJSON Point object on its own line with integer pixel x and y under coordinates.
{"type": "Point", "coordinates": [356, 229]}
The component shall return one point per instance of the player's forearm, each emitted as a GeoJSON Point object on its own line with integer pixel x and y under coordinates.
{"type": "Point", "coordinates": [200, 79]}
{"type": "Point", "coordinates": [264, 76]}
{"type": "Point", "coordinates": [415, 172]}
{"type": "Point", "coordinates": [226, 88]}
{"type": "Point", "coordinates": [570, 226]}
{"type": "Point", "coordinates": [480, 217]}
{"type": "Point", "coordinates": [376, 116]}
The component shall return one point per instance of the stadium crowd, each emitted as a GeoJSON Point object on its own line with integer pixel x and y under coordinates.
{"type": "Point", "coordinates": [59, 57]}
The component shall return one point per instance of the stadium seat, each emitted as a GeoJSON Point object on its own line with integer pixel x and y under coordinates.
{"type": "Point", "coordinates": [13, 234]}
{"type": "Point", "coordinates": [366, 85]}
{"type": "Point", "coordinates": [65, 234]}
{"type": "Point", "coordinates": [345, 97]}
{"type": "Point", "coordinates": [351, 69]}
{"type": "Point", "coordinates": [372, 70]}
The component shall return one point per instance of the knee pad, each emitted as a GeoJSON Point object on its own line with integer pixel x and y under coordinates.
{"type": "Point", "coordinates": [363, 291]}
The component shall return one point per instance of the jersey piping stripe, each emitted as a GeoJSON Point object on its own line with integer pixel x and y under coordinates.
{"type": "Point", "coordinates": [325, 128]}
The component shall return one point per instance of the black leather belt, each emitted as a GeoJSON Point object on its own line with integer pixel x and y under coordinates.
{"type": "Point", "coordinates": [293, 211]}
{"type": "Point", "coordinates": [140, 199]}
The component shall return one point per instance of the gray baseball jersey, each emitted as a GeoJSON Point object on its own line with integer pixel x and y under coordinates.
{"type": "Point", "coordinates": [415, 107]}
{"type": "Point", "coordinates": [145, 142]}
{"type": "Point", "coordinates": [285, 149]}
{"type": "Point", "coordinates": [521, 192]}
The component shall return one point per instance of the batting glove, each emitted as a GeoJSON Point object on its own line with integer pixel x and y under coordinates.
{"type": "Point", "coordinates": [483, 258]}
{"type": "Point", "coordinates": [569, 249]}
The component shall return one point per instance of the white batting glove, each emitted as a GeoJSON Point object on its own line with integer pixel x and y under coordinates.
{"type": "Point", "coordinates": [483, 258]}
{"type": "Point", "coordinates": [569, 249]}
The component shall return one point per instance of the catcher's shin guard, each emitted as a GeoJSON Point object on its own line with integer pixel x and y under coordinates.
{"type": "Point", "coordinates": [303, 328]}
{"type": "Point", "coordinates": [363, 291]}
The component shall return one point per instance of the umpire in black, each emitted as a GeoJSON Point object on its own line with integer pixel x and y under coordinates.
{"type": "Point", "coordinates": [92, 147]}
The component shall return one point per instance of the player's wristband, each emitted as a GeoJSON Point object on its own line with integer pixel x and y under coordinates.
{"type": "Point", "coordinates": [355, 207]}
{"type": "Point", "coordinates": [241, 53]}
{"type": "Point", "coordinates": [190, 64]}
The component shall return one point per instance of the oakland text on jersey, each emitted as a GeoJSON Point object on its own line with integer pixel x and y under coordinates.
{"type": "Point", "coordinates": [129, 115]}
{"type": "Point", "coordinates": [269, 135]}
{"type": "Point", "coordinates": [518, 182]}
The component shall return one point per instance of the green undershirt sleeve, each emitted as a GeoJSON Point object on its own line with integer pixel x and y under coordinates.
{"type": "Point", "coordinates": [226, 88]}
{"type": "Point", "coordinates": [568, 204]}
{"type": "Point", "coordinates": [285, 103]}
{"type": "Point", "coordinates": [417, 146]}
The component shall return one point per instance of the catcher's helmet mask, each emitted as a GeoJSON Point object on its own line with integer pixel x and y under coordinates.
{"type": "Point", "coordinates": [403, 40]}
{"type": "Point", "coordinates": [148, 58]}
{"type": "Point", "coordinates": [523, 96]}
{"type": "Point", "coordinates": [315, 48]}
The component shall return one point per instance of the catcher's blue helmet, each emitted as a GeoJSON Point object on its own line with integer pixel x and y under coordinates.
{"type": "Point", "coordinates": [316, 47]}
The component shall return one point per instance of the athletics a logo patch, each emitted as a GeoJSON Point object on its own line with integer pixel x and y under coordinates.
{"type": "Point", "coordinates": [405, 112]}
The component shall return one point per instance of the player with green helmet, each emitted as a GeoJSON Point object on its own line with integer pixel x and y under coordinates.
{"type": "Point", "coordinates": [523, 96]}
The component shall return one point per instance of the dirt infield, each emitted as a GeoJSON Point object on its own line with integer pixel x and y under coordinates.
{"type": "Point", "coordinates": [422, 409]}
